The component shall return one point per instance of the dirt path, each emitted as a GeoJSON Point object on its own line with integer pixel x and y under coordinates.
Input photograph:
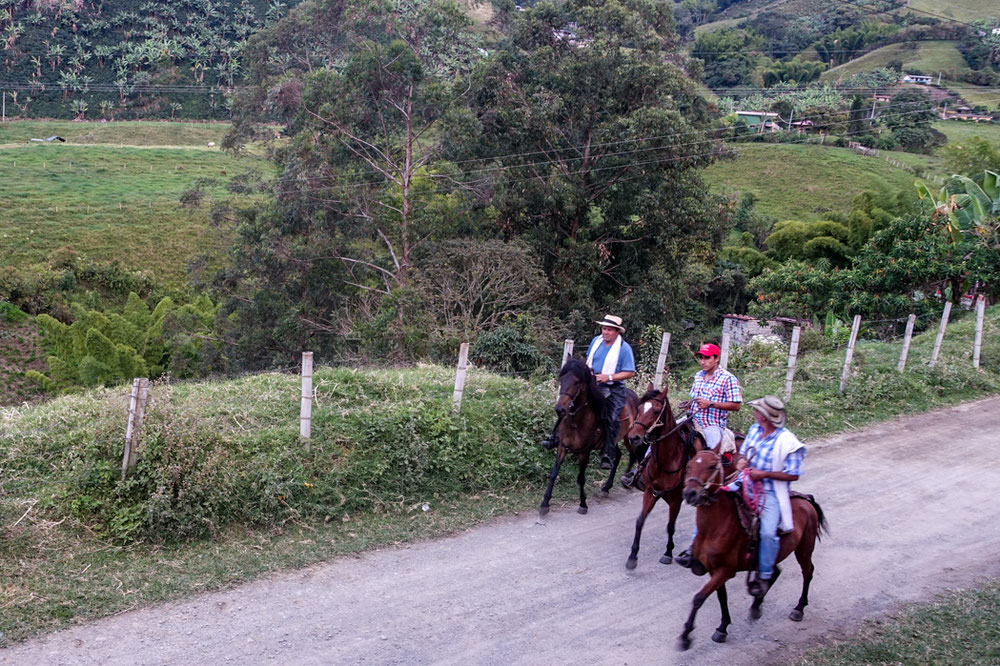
{"type": "Point", "coordinates": [528, 591]}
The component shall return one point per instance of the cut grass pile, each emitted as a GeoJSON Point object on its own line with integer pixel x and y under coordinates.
{"type": "Point", "coordinates": [55, 455]}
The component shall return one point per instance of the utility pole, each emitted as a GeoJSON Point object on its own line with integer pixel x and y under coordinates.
{"type": "Point", "coordinates": [874, 102]}
{"type": "Point", "coordinates": [3, 115]}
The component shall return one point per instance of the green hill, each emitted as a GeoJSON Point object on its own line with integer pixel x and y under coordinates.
{"type": "Point", "coordinates": [117, 198]}
{"type": "Point", "coordinates": [802, 182]}
{"type": "Point", "coordinates": [928, 57]}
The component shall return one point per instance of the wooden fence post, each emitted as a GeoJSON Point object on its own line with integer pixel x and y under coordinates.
{"type": "Point", "coordinates": [136, 412]}
{"type": "Point", "coordinates": [567, 352]}
{"type": "Point", "coordinates": [980, 315]}
{"type": "Point", "coordinates": [940, 335]}
{"type": "Point", "coordinates": [793, 352]}
{"type": "Point", "coordinates": [463, 363]}
{"type": "Point", "coordinates": [724, 358]}
{"type": "Point", "coordinates": [661, 362]}
{"type": "Point", "coordinates": [906, 342]}
{"type": "Point", "coordinates": [855, 327]}
{"type": "Point", "coordinates": [305, 408]}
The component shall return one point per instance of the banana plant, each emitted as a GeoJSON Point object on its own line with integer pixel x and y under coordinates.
{"type": "Point", "coordinates": [969, 212]}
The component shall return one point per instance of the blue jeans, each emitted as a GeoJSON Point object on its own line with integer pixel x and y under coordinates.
{"type": "Point", "coordinates": [769, 541]}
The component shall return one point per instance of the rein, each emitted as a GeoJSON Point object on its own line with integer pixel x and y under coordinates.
{"type": "Point", "coordinates": [656, 458]}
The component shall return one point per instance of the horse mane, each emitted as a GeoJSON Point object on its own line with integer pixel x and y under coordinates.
{"type": "Point", "coordinates": [584, 374]}
{"type": "Point", "coordinates": [649, 395]}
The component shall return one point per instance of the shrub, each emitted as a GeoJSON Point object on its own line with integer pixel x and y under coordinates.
{"type": "Point", "coordinates": [760, 352]}
{"type": "Point", "coordinates": [509, 349]}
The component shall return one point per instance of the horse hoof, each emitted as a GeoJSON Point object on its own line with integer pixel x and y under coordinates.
{"type": "Point", "coordinates": [666, 559]}
{"type": "Point", "coordinates": [542, 511]}
{"type": "Point", "coordinates": [683, 643]}
{"type": "Point", "coordinates": [719, 636]}
{"type": "Point", "coordinates": [796, 615]}
{"type": "Point", "coordinates": [754, 613]}
{"type": "Point", "coordinates": [582, 510]}
{"type": "Point", "coordinates": [630, 563]}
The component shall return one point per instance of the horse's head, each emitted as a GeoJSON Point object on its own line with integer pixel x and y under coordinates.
{"type": "Point", "coordinates": [654, 410]}
{"type": "Point", "coordinates": [703, 470]}
{"type": "Point", "coordinates": [577, 387]}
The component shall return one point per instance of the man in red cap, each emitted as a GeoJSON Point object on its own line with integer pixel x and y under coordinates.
{"type": "Point", "coordinates": [714, 394]}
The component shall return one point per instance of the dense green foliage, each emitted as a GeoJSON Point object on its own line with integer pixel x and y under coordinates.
{"type": "Point", "coordinates": [125, 58]}
{"type": "Point", "coordinates": [432, 188]}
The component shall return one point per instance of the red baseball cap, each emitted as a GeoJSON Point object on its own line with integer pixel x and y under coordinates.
{"type": "Point", "coordinates": [708, 349]}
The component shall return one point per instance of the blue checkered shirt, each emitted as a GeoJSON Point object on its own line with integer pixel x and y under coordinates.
{"type": "Point", "coordinates": [764, 447]}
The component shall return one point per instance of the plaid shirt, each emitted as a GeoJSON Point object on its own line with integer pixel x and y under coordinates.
{"type": "Point", "coordinates": [764, 447]}
{"type": "Point", "coordinates": [722, 387]}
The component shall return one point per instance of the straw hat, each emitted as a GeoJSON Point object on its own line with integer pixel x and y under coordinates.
{"type": "Point", "coordinates": [772, 408]}
{"type": "Point", "coordinates": [612, 321]}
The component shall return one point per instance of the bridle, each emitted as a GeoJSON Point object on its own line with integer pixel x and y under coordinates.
{"type": "Point", "coordinates": [573, 406]}
{"type": "Point", "coordinates": [654, 455]}
{"type": "Point", "coordinates": [709, 497]}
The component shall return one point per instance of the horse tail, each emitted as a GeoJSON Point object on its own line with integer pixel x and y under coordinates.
{"type": "Point", "coordinates": [823, 525]}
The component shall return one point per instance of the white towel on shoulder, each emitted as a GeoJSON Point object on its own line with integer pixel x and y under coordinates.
{"type": "Point", "coordinates": [610, 361]}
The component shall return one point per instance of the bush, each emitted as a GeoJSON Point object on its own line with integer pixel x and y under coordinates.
{"type": "Point", "coordinates": [760, 352]}
{"type": "Point", "coordinates": [216, 454]}
{"type": "Point", "coordinates": [509, 350]}
{"type": "Point", "coordinates": [11, 314]}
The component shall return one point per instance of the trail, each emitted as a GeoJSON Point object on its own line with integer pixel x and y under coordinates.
{"type": "Point", "coordinates": [911, 514]}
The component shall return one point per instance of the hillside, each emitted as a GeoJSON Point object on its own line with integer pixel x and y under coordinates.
{"type": "Point", "coordinates": [928, 57]}
{"type": "Point", "coordinates": [127, 58]}
{"type": "Point", "coordinates": [112, 192]}
{"type": "Point", "coordinates": [802, 182]}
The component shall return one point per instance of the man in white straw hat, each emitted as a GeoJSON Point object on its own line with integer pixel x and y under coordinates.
{"type": "Point", "coordinates": [612, 361]}
{"type": "Point", "coordinates": [775, 457]}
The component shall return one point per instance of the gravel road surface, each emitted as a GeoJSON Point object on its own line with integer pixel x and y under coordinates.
{"type": "Point", "coordinates": [911, 509]}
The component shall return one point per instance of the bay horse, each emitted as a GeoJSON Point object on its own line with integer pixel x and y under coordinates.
{"type": "Point", "coordinates": [662, 475]}
{"type": "Point", "coordinates": [581, 428]}
{"type": "Point", "coordinates": [722, 543]}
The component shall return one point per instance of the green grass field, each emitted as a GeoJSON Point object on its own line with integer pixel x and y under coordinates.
{"type": "Point", "coordinates": [113, 202]}
{"type": "Point", "coordinates": [960, 10]}
{"type": "Point", "coordinates": [804, 181]}
{"type": "Point", "coordinates": [929, 57]}
{"type": "Point", "coordinates": [130, 133]}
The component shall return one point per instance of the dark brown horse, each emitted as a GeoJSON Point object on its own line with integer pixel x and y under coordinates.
{"type": "Point", "coordinates": [581, 428]}
{"type": "Point", "coordinates": [722, 543]}
{"type": "Point", "coordinates": [662, 475]}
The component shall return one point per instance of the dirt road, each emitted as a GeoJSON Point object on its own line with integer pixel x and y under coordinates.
{"type": "Point", "coordinates": [911, 512]}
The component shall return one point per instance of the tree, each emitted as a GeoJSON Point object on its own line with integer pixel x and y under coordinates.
{"type": "Point", "coordinates": [358, 192]}
{"type": "Point", "coordinates": [584, 142]}
{"type": "Point", "coordinates": [909, 116]}
{"type": "Point", "coordinates": [971, 157]}
{"type": "Point", "coordinates": [729, 55]}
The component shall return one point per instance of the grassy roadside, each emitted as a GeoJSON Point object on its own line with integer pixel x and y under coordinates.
{"type": "Point", "coordinates": [956, 628]}
{"type": "Point", "coordinates": [63, 572]}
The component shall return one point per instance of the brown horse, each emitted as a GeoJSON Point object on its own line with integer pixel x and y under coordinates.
{"type": "Point", "coordinates": [662, 475]}
{"type": "Point", "coordinates": [581, 428]}
{"type": "Point", "coordinates": [722, 543]}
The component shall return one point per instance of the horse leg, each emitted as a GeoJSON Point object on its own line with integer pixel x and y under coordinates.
{"type": "Point", "coordinates": [648, 501]}
{"type": "Point", "coordinates": [720, 633]}
{"type": "Point", "coordinates": [804, 556]}
{"type": "Point", "coordinates": [674, 502]}
{"type": "Point", "coordinates": [581, 479]}
{"type": "Point", "coordinates": [718, 579]}
{"type": "Point", "coordinates": [606, 488]}
{"type": "Point", "coordinates": [544, 508]}
{"type": "Point", "coordinates": [757, 601]}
